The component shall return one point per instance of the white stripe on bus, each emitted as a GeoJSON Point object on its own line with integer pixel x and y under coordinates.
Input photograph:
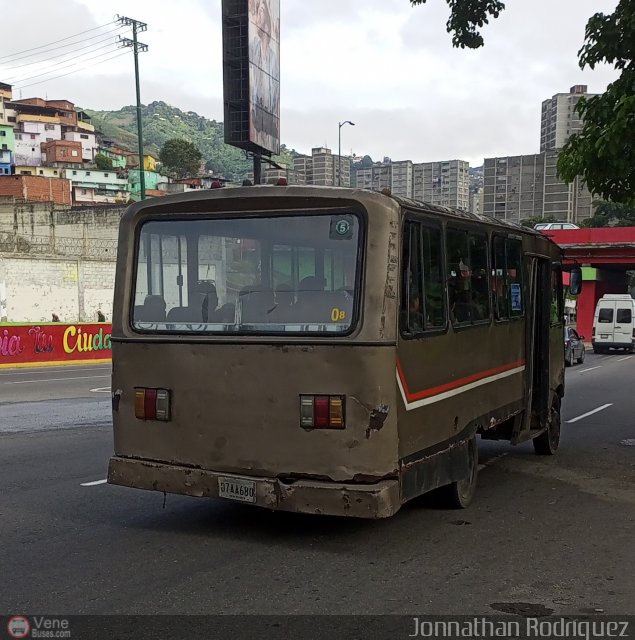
{"type": "Point", "coordinates": [454, 392]}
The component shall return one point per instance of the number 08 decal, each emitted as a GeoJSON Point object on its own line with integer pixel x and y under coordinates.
{"type": "Point", "coordinates": [337, 315]}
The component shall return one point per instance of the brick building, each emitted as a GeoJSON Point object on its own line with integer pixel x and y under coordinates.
{"type": "Point", "coordinates": [36, 188]}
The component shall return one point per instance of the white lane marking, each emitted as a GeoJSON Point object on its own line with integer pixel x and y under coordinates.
{"type": "Point", "coordinates": [590, 413]}
{"type": "Point", "coordinates": [590, 369]}
{"type": "Point", "coordinates": [94, 483]}
{"type": "Point", "coordinates": [491, 460]}
{"type": "Point", "coordinates": [622, 359]}
{"type": "Point", "coordinates": [101, 390]}
{"type": "Point", "coordinates": [39, 370]}
{"type": "Point", "coordinates": [56, 379]}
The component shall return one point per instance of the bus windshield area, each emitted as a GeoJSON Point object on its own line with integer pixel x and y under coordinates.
{"type": "Point", "coordinates": [262, 275]}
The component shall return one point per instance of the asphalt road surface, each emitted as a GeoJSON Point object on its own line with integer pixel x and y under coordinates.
{"type": "Point", "coordinates": [544, 534]}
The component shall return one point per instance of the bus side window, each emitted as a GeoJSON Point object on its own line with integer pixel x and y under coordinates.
{"type": "Point", "coordinates": [423, 298]}
{"type": "Point", "coordinates": [412, 287]}
{"type": "Point", "coordinates": [468, 284]}
{"type": "Point", "coordinates": [507, 277]}
{"type": "Point", "coordinates": [557, 301]}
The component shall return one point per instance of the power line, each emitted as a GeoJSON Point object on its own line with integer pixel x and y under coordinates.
{"type": "Point", "coordinates": [17, 53]}
{"type": "Point", "coordinates": [92, 48]}
{"type": "Point", "coordinates": [70, 72]}
{"type": "Point", "coordinates": [65, 46]}
{"type": "Point", "coordinates": [64, 66]}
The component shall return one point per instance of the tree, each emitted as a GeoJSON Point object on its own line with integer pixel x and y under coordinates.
{"type": "Point", "coordinates": [603, 152]}
{"type": "Point", "coordinates": [102, 162]}
{"type": "Point", "coordinates": [180, 158]}
{"type": "Point", "coordinates": [611, 214]}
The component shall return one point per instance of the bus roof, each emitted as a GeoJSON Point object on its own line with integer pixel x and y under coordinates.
{"type": "Point", "coordinates": [343, 193]}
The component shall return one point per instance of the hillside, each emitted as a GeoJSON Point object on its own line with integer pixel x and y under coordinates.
{"type": "Point", "coordinates": [162, 122]}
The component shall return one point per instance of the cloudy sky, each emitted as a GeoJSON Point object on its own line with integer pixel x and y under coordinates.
{"type": "Point", "coordinates": [383, 64]}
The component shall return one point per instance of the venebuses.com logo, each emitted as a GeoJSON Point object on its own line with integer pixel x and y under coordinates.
{"type": "Point", "coordinates": [18, 627]}
{"type": "Point", "coordinates": [38, 627]}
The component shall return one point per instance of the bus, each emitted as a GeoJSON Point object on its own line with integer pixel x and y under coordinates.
{"type": "Point", "coordinates": [328, 350]}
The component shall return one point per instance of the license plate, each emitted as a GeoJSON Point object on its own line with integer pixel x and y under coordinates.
{"type": "Point", "coordinates": [237, 489]}
{"type": "Point", "coordinates": [604, 336]}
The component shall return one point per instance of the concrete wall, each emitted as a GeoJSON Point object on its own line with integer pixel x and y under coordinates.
{"type": "Point", "coordinates": [35, 288]}
{"type": "Point", "coordinates": [57, 261]}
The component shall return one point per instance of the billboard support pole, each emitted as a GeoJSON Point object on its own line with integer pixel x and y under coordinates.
{"type": "Point", "coordinates": [257, 169]}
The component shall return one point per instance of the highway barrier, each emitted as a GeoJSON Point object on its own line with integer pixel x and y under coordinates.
{"type": "Point", "coordinates": [54, 344]}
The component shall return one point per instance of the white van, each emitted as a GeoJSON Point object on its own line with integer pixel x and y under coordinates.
{"type": "Point", "coordinates": [614, 323]}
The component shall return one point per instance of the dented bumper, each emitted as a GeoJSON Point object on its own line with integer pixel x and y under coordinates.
{"type": "Point", "coordinates": [377, 500]}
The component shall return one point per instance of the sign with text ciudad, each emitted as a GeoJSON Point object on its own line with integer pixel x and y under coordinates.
{"type": "Point", "coordinates": [52, 343]}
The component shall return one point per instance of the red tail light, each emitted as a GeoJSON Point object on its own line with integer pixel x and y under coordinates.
{"type": "Point", "coordinates": [322, 412]}
{"type": "Point", "coordinates": [152, 404]}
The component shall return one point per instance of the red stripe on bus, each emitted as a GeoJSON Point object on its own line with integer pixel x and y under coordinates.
{"type": "Point", "coordinates": [433, 391]}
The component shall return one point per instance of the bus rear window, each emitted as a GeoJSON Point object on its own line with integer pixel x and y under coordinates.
{"type": "Point", "coordinates": [255, 275]}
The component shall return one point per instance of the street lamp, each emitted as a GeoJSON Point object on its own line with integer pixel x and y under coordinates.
{"type": "Point", "coordinates": [339, 151]}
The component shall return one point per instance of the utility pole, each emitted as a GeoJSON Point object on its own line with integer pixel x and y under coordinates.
{"type": "Point", "coordinates": [137, 27]}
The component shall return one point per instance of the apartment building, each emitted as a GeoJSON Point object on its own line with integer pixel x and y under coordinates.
{"type": "Point", "coordinates": [445, 183]}
{"type": "Point", "coordinates": [7, 137]}
{"type": "Point", "coordinates": [402, 179]}
{"type": "Point", "coordinates": [303, 168]}
{"type": "Point", "coordinates": [559, 119]}
{"type": "Point", "coordinates": [92, 186]}
{"type": "Point", "coordinates": [326, 168]}
{"type": "Point", "coordinates": [364, 178]}
{"type": "Point", "coordinates": [521, 187]}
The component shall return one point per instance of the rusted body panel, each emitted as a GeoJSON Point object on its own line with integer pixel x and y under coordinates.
{"type": "Point", "coordinates": [411, 405]}
{"type": "Point", "coordinates": [377, 500]}
{"type": "Point", "coordinates": [236, 408]}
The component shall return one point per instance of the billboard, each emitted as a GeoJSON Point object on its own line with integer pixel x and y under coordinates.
{"type": "Point", "coordinates": [251, 74]}
{"type": "Point", "coordinates": [54, 344]}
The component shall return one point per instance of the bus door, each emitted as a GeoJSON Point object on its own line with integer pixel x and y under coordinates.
{"type": "Point", "coordinates": [537, 340]}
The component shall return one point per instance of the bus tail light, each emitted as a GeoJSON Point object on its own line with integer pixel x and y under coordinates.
{"type": "Point", "coordinates": [322, 412]}
{"type": "Point", "coordinates": [152, 404]}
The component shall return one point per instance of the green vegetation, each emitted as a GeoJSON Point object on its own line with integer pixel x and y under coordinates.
{"type": "Point", "coordinates": [162, 122]}
{"type": "Point", "coordinates": [180, 158]}
{"type": "Point", "coordinates": [603, 152]}
{"type": "Point", "coordinates": [611, 214]}
{"type": "Point", "coordinates": [102, 162]}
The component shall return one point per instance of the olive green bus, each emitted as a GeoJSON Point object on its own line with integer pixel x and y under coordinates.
{"type": "Point", "coordinates": [328, 350]}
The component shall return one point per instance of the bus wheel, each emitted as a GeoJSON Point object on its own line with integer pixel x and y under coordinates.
{"type": "Point", "coordinates": [546, 444]}
{"type": "Point", "coordinates": [458, 495]}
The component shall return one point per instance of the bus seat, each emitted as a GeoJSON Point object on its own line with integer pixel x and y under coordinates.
{"type": "Point", "coordinates": [256, 304]}
{"type": "Point", "coordinates": [153, 310]}
{"type": "Point", "coordinates": [227, 314]}
{"type": "Point", "coordinates": [190, 313]}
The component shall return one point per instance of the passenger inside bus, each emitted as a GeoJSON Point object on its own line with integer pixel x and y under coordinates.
{"type": "Point", "coordinates": [415, 314]}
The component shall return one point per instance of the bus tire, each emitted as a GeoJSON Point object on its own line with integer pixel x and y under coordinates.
{"type": "Point", "coordinates": [546, 444]}
{"type": "Point", "coordinates": [459, 495]}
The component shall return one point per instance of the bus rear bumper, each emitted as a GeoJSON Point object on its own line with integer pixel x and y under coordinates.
{"type": "Point", "coordinates": [377, 500]}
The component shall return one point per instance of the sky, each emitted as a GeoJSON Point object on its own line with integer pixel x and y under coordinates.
{"type": "Point", "coordinates": [383, 64]}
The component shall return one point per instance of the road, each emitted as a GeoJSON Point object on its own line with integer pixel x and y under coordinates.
{"type": "Point", "coordinates": [544, 534]}
{"type": "Point", "coordinates": [54, 397]}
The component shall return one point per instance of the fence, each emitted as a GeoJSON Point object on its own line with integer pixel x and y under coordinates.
{"type": "Point", "coordinates": [50, 245]}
